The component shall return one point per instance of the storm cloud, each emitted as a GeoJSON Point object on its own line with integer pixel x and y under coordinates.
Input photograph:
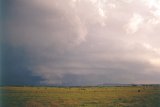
{"type": "Point", "coordinates": [81, 42]}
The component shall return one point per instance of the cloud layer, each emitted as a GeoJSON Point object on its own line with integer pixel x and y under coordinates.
{"type": "Point", "coordinates": [84, 42]}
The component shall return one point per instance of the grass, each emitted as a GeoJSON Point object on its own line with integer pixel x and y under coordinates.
{"type": "Point", "coordinates": [80, 96]}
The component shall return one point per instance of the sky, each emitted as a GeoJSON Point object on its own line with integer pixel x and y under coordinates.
{"type": "Point", "coordinates": [80, 42]}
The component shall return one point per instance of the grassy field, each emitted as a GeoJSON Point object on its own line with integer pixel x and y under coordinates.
{"type": "Point", "coordinates": [138, 96]}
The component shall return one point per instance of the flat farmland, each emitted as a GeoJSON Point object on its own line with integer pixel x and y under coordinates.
{"type": "Point", "coordinates": [128, 96]}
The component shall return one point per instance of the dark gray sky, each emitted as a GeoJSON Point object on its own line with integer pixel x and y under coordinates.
{"type": "Point", "coordinates": [81, 42]}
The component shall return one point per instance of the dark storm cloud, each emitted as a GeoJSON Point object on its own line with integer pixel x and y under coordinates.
{"type": "Point", "coordinates": [81, 42]}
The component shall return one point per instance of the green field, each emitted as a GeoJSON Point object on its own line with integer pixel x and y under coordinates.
{"type": "Point", "coordinates": [131, 96]}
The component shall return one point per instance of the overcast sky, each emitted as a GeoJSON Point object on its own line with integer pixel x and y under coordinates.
{"type": "Point", "coordinates": [81, 42]}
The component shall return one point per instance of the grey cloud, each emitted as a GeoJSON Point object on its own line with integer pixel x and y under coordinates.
{"type": "Point", "coordinates": [41, 27]}
{"type": "Point", "coordinates": [70, 42]}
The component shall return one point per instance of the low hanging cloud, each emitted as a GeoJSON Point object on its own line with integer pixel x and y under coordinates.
{"type": "Point", "coordinates": [81, 42]}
